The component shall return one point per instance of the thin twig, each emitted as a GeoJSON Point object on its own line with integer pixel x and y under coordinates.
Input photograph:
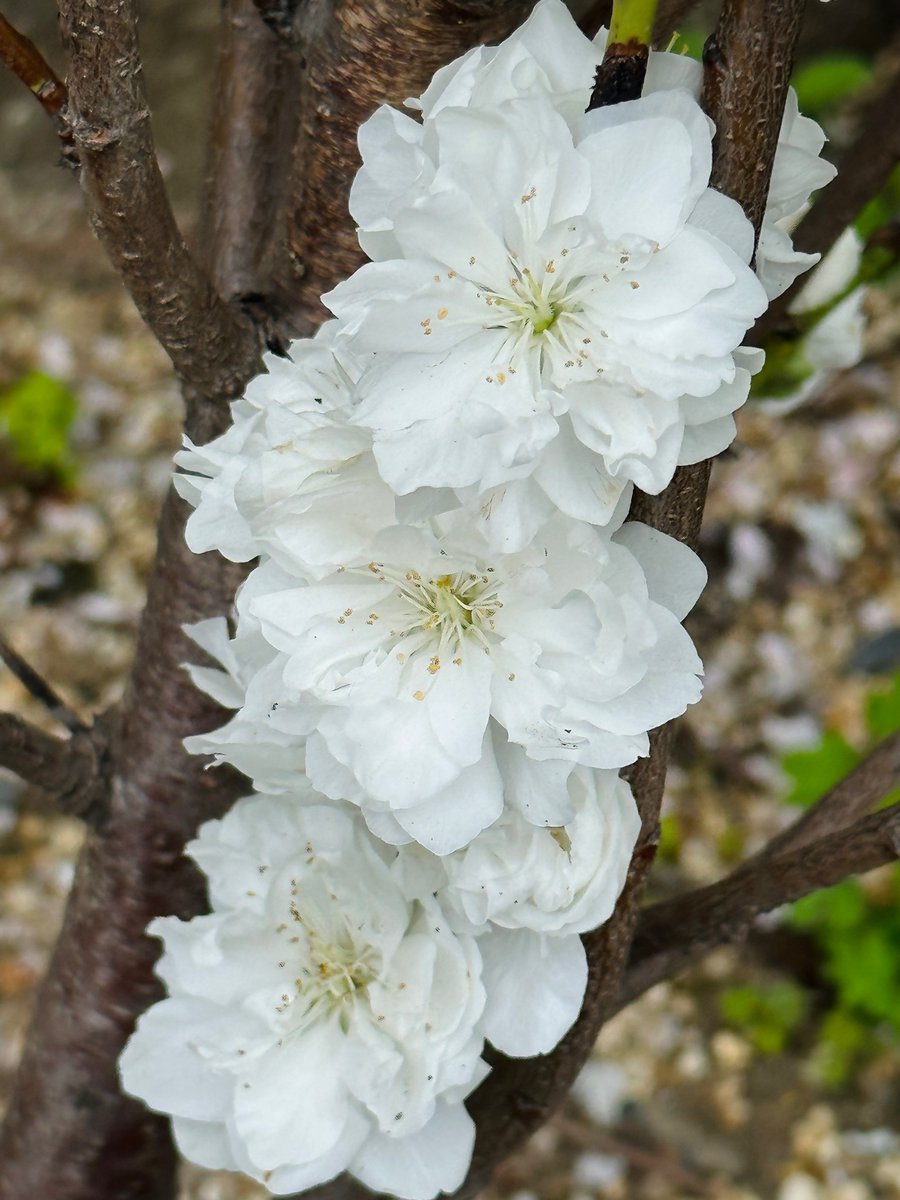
{"type": "Point", "coordinates": [213, 348]}
{"type": "Point", "coordinates": [23, 58]}
{"type": "Point", "coordinates": [676, 933]}
{"type": "Point", "coordinates": [856, 794]}
{"type": "Point", "coordinates": [40, 689]}
{"type": "Point", "coordinates": [68, 771]}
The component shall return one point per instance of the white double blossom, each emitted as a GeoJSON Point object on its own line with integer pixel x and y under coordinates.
{"type": "Point", "coordinates": [430, 682]}
{"type": "Point", "coordinates": [578, 446]}
{"type": "Point", "coordinates": [317, 1018]}
{"type": "Point", "coordinates": [291, 478]}
{"type": "Point", "coordinates": [323, 1018]}
{"type": "Point", "coordinates": [557, 310]}
{"type": "Point", "coordinates": [453, 639]}
{"type": "Point", "coordinates": [562, 880]}
{"type": "Point", "coordinates": [550, 56]}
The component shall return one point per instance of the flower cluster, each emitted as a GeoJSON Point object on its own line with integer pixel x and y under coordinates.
{"type": "Point", "coordinates": [452, 640]}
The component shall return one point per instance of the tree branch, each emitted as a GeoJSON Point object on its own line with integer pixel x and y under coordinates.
{"type": "Point", "coordinates": [254, 121]}
{"type": "Point", "coordinates": [40, 689]}
{"type": "Point", "coordinates": [857, 793]}
{"type": "Point", "coordinates": [23, 58]}
{"type": "Point", "coordinates": [70, 771]}
{"type": "Point", "coordinates": [361, 53]}
{"type": "Point", "coordinates": [214, 350]}
{"type": "Point", "coordinates": [747, 64]}
{"type": "Point", "coordinates": [676, 933]}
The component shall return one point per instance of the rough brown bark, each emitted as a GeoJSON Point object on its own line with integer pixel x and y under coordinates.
{"type": "Point", "coordinates": [69, 1134]}
{"type": "Point", "coordinates": [254, 118]}
{"type": "Point", "coordinates": [71, 771]}
{"type": "Point", "coordinates": [747, 63]}
{"type": "Point", "coordinates": [212, 348]}
{"type": "Point", "coordinates": [360, 55]}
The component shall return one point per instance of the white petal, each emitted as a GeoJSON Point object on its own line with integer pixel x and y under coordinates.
{"type": "Point", "coordinates": [296, 1107]}
{"type": "Point", "coordinates": [675, 574]}
{"type": "Point", "coordinates": [422, 1165]}
{"type": "Point", "coordinates": [535, 985]}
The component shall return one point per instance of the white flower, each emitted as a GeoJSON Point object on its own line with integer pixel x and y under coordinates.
{"type": "Point", "coordinates": [797, 172]}
{"type": "Point", "coordinates": [266, 739]}
{"type": "Point", "coordinates": [317, 1021]}
{"type": "Point", "coordinates": [836, 341]}
{"type": "Point", "coordinates": [553, 309]}
{"type": "Point", "coordinates": [406, 663]}
{"type": "Point", "coordinates": [528, 892]}
{"type": "Point", "coordinates": [290, 478]}
{"type": "Point", "coordinates": [562, 880]}
{"type": "Point", "coordinates": [549, 54]}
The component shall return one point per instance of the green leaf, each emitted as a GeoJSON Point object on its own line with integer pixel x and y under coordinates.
{"type": "Point", "coordinates": [813, 772]}
{"type": "Point", "coordinates": [669, 847]}
{"type": "Point", "coordinates": [882, 209]}
{"type": "Point", "coordinates": [883, 711]}
{"type": "Point", "coordinates": [35, 416]}
{"type": "Point", "coordinates": [842, 1038]}
{"type": "Point", "coordinates": [823, 84]}
{"type": "Point", "coordinates": [865, 970]}
{"type": "Point", "coordinates": [840, 908]}
{"type": "Point", "coordinates": [767, 1014]}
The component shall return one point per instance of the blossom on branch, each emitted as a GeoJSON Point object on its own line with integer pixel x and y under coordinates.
{"type": "Point", "coordinates": [545, 306]}
{"type": "Point", "coordinates": [453, 638]}
{"type": "Point", "coordinates": [320, 1021]}
{"type": "Point", "coordinates": [408, 674]}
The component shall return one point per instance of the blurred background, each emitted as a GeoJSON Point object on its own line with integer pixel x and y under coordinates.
{"type": "Point", "coordinates": [770, 1071]}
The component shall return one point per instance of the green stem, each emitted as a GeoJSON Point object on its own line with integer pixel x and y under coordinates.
{"type": "Point", "coordinates": [620, 77]}
{"type": "Point", "coordinates": [632, 21]}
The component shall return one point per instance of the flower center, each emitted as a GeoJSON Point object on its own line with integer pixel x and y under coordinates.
{"type": "Point", "coordinates": [530, 302]}
{"type": "Point", "coordinates": [451, 607]}
{"type": "Point", "coordinates": [332, 972]}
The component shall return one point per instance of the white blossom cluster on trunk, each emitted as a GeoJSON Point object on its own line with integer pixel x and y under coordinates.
{"type": "Point", "coordinates": [453, 639]}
